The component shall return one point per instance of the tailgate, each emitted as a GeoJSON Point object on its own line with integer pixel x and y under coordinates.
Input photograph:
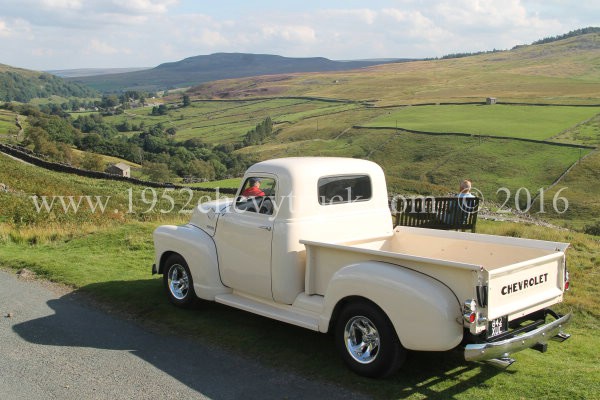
{"type": "Point", "coordinates": [519, 289]}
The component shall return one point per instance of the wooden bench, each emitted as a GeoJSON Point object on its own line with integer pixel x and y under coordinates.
{"type": "Point", "coordinates": [447, 213]}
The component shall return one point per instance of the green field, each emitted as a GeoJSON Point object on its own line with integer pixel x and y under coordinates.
{"type": "Point", "coordinates": [232, 183]}
{"type": "Point", "coordinates": [491, 163]}
{"type": "Point", "coordinates": [587, 133]}
{"type": "Point", "coordinates": [529, 122]}
{"type": "Point", "coordinates": [581, 190]}
{"type": "Point", "coordinates": [7, 122]}
{"type": "Point", "coordinates": [217, 122]}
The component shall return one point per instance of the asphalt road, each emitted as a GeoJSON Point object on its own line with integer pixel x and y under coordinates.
{"type": "Point", "coordinates": [55, 346]}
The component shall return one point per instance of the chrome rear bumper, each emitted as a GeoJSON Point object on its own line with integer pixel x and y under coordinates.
{"type": "Point", "coordinates": [503, 348]}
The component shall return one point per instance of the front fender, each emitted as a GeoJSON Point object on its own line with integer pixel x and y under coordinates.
{"type": "Point", "coordinates": [424, 312]}
{"type": "Point", "coordinates": [199, 251]}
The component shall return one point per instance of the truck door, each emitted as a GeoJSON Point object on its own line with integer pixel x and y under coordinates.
{"type": "Point", "coordinates": [244, 235]}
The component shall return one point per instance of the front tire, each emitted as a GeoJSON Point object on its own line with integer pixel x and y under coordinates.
{"type": "Point", "coordinates": [367, 341]}
{"type": "Point", "coordinates": [177, 281]}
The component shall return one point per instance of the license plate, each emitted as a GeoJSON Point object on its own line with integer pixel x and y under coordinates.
{"type": "Point", "coordinates": [497, 326]}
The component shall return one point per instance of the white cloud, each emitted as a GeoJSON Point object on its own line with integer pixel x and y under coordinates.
{"type": "Point", "coordinates": [362, 15]}
{"type": "Point", "coordinates": [289, 33]}
{"type": "Point", "coordinates": [211, 38]}
{"type": "Point", "coordinates": [482, 13]}
{"type": "Point", "coordinates": [144, 6]}
{"type": "Point", "coordinates": [4, 31]}
{"type": "Point", "coordinates": [17, 29]}
{"type": "Point", "coordinates": [100, 47]}
{"type": "Point", "coordinates": [63, 4]}
{"type": "Point", "coordinates": [42, 52]}
{"type": "Point", "coordinates": [398, 15]}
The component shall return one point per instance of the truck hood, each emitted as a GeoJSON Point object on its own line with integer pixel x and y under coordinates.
{"type": "Point", "coordinates": [206, 215]}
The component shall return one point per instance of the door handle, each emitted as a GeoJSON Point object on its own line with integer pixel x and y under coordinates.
{"type": "Point", "coordinates": [267, 228]}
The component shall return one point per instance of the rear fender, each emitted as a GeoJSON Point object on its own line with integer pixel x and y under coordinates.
{"type": "Point", "coordinates": [425, 313]}
{"type": "Point", "coordinates": [199, 251]}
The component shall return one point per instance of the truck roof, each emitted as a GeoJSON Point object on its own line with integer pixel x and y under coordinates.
{"type": "Point", "coordinates": [298, 182]}
{"type": "Point", "coordinates": [316, 166]}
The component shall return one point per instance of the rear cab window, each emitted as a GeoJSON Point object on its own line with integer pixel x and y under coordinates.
{"type": "Point", "coordinates": [341, 189]}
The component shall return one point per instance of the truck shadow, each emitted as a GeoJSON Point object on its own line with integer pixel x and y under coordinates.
{"type": "Point", "coordinates": [215, 343]}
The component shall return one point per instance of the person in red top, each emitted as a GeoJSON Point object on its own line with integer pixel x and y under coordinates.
{"type": "Point", "coordinates": [254, 189]}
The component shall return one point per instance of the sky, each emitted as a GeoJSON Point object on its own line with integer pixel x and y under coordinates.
{"type": "Point", "coordinates": [69, 34]}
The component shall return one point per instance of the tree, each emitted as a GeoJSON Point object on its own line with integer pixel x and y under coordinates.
{"type": "Point", "coordinates": [160, 110]}
{"type": "Point", "coordinates": [157, 172]}
{"type": "Point", "coordinates": [186, 100]}
{"type": "Point", "coordinates": [92, 162]}
{"type": "Point", "coordinates": [201, 169]}
{"type": "Point", "coordinates": [40, 142]}
{"type": "Point", "coordinates": [109, 101]}
{"type": "Point", "coordinates": [262, 131]}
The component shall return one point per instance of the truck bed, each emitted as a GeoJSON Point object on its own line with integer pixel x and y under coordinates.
{"type": "Point", "coordinates": [521, 275]}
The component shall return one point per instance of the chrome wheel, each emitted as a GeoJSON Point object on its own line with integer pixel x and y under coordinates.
{"type": "Point", "coordinates": [362, 339]}
{"type": "Point", "coordinates": [367, 340]}
{"type": "Point", "coordinates": [178, 281]}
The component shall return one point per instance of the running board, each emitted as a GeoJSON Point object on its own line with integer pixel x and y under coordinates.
{"type": "Point", "coordinates": [280, 312]}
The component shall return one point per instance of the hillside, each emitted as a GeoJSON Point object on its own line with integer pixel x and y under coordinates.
{"type": "Point", "coordinates": [563, 71]}
{"type": "Point", "coordinates": [75, 73]}
{"type": "Point", "coordinates": [206, 68]}
{"type": "Point", "coordinates": [22, 85]}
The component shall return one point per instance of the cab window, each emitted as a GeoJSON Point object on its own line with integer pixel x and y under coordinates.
{"type": "Point", "coordinates": [344, 189]}
{"type": "Point", "coordinates": [257, 195]}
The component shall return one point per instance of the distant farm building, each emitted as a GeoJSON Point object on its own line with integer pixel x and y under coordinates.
{"type": "Point", "coordinates": [490, 100]}
{"type": "Point", "coordinates": [120, 169]}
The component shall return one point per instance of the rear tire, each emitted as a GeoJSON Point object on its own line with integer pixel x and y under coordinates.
{"type": "Point", "coordinates": [367, 341]}
{"type": "Point", "coordinates": [177, 281]}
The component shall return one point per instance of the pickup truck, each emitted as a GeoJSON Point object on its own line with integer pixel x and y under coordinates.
{"type": "Point", "coordinates": [310, 241]}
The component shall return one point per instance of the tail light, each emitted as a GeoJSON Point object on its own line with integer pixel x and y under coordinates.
{"type": "Point", "coordinates": [566, 280]}
{"type": "Point", "coordinates": [470, 311]}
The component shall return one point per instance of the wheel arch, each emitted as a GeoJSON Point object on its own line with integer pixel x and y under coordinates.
{"type": "Point", "coordinates": [344, 302]}
{"type": "Point", "coordinates": [163, 260]}
{"type": "Point", "coordinates": [198, 250]}
{"type": "Point", "coordinates": [424, 312]}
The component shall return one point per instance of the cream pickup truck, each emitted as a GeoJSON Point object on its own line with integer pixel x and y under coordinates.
{"type": "Point", "coordinates": [310, 241]}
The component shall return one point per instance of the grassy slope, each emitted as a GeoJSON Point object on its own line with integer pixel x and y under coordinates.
{"type": "Point", "coordinates": [222, 122]}
{"type": "Point", "coordinates": [586, 133]}
{"type": "Point", "coordinates": [7, 122]}
{"type": "Point", "coordinates": [124, 201]}
{"type": "Point", "coordinates": [112, 160]}
{"type": "Point", "coordinates": [563, 71]}
{"type": "Point", "coordinates": [581, 189]}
